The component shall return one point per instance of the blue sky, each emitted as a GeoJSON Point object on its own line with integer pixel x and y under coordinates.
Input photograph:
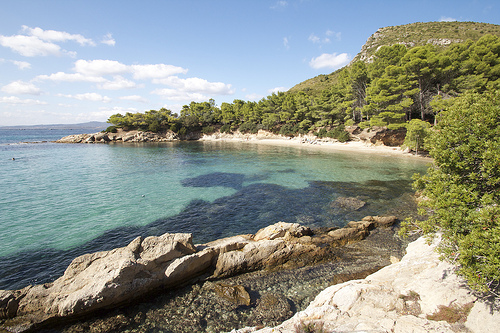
{"type": "Point", "coordinates": [73, 61]}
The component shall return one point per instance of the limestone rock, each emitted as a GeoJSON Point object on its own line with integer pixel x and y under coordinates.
{"type": "Point", "coordinates": [107, 278]}
{"type": "Point", "coordinates": [381, 221]}
{"type": "Point", "coordinates": [280, 229]}
{"type": "Point", "coordinates": [397, 298]}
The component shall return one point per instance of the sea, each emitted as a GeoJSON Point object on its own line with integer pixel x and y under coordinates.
{"type": "Point", "coordinates": [59, 201]}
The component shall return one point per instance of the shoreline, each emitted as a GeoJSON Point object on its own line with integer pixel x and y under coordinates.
{"type": "Point", "coordinates": [322, 145]}
{"type": "Point", "coordinates": [363, 142]}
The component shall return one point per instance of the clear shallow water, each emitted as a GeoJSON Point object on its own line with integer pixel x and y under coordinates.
{"type": "Point", "coordinates": [58, 201]}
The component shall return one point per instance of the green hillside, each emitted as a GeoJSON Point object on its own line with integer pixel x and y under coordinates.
{"type": "Point", "coordinates": [440, 34]}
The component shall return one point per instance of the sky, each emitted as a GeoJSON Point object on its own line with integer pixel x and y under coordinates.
{"type": "Point", "coordinates": [68, 61]}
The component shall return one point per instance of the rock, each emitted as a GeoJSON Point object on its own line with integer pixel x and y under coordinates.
{"type": "Point", "coordinates": [8, 304]}
{"type": "Point", "coordinates": [273, 308]}
{"type": "Point", "coordinates": [347, 204]}
{"type": "Point", "coordinates": [234, 294]}
{"type": "Point", "coordinates": [189, 266]}
{"type": "Point", "coordinates": [109, 278]}
{"type": "Point", "coordinates": [348, 234]}
{"type": "Point", "coordinates": [280, 229]}
{"type": "Point", "coordinates": [401, 297]}
{"type": "Point", "coordinates": [381, 221]}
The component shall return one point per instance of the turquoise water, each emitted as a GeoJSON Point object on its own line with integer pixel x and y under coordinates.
{"type": "Point", "coordinates": [58, 201]}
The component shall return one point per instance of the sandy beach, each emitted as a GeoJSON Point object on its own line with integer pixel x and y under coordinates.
{"type": "Point", "coordinates": [311, 142]}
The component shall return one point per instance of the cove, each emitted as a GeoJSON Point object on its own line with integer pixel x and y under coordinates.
{"type": "Point", "coordinates": [109, 194]}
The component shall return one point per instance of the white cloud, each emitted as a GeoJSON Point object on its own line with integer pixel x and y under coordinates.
{"type": "Point", "coordinates": [108, 40]}
{"type": "Point", "coordinates": [21, 88]}
{"type": "Point", "coordinates": [157, 71]}
{"type": "Point", "coordinates": [70, 77]}
{"type": "Point", "coordinates": [100, 67]}
{"type": "Point", "coordinates": [333, 61]}
{"type": "Point", "coordinates": [337, 35]}
{"type": "Point", "coordinates": [14, 100]}
{"type": "Point", "coordinates": [286, 43]}
{"type": "Point", "coordinates": [254, 97]}
{"type": "Point", "coordinates": [38, 42]}
{"type": "Point", "coordinates": [29, 46]}
{"type": "Point", "coordinates": [277, 89]}
{"type": "Point", "coordinates": [118, 83]}
{"type": "Point", "coordinates": [313, 38]}
{"type": "Point", "coordinates": [105, 112]}
{"type": "Point", "coordinates": [21, 64]}
{"type": "Point", "coordinates": [280, 4]}
{"type": "Point", "coordinates": [93, 97]}
{"type": "Point", "coordinates": [57, 36]}
{"type": "Point", "coordinates": [447, 19]}
{"type": "Point", "coordinates": [178, 95]}
{"type": "Point", "coordinates": [134, 98]}
{"type": "Point", "coordinates": [195, 84]}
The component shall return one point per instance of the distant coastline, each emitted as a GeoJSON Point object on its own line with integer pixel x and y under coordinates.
{"type": "Point", "coordinates": [97, 125]}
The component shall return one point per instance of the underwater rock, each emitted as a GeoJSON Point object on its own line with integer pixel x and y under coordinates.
{"type": "Point", "coordinates": [347, 204]}
{"type": "Point", "coordinates": [234, 294]}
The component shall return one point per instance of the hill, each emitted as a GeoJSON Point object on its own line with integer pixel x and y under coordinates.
{"type": "Point", "coordinates": [441, 34]}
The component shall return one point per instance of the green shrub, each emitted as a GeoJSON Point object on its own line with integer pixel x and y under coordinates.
{"type": "Point", "coordinates": [462, 188]}
{"type": "Point", "coordinates": [226, 128]}
{"type": "Point", "coordinates": [155, 126]}
{"type": "Point", "coordinates": [183, 131]}
{"type": "Point", "coordinates": [111, 129]}
{"type": "Point", "coordinates": [248, 127]}
{"type": "Point", "coordinates": [288, 130]}
{"type": "Point", "coordinates": [208, 130]}
{"type": "Point", "coordinates": [417, 132]}
{"type": "Point", "coordinates": [175, 127]}
{"type": "Point", "coordinates": [364, 124]}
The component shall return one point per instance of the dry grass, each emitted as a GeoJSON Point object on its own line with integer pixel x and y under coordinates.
{"type": "Point", "coordinates": [452, 313]}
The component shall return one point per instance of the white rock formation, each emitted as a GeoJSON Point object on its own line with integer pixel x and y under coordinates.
{"type": "Point", "coordinates": [397, 298]}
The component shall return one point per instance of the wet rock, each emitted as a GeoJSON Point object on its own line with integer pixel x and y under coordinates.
{"type": "Point", "coordinates": [347, 204]}
{"type": "Point", "coordinates": [234, 294]}
{"type": "Point", "coordinates": [272, 307]}
{"type": "Point", "coordinates": [348, 234]}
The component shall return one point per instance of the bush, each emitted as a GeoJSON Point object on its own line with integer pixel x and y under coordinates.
{"type": "Point", "coordinates": [226, 128]}
{"type": "Point", "coordinates": [288, 130]}
{"type": "Point", "coordinates": [248, 127]}
{"type": "Point", "coordinates": [175, 127]}
{"type": "Point", "coordinates": [416, 133]}
{"type": "Point", "coordinates": [208, 130]}
{"type": "Point", "coordinates": [339, 133]}
{"type": "Point", "coordinates": [462, 188]}
{"type": "Point", "coordinates": [111, 129]}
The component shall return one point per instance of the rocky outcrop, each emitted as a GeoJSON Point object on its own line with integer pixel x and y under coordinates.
{"type": "Point", "coordinates": [418, 294]}
{"type": "Point", "coordinates": [110, 278]}
{"type": "Point", "coordinates": [377, 135]}
{"type": "Point", "coordinates": [120, 136]}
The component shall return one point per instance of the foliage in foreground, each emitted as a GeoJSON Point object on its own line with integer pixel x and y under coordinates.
{"type": "Point", "coordinates": [461, 190]}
